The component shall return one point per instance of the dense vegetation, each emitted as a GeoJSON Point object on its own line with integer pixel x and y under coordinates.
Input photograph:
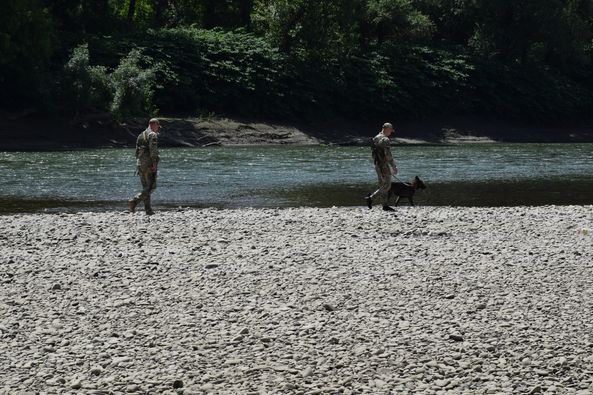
{"type": "Point", "coordinates": [526, 59]}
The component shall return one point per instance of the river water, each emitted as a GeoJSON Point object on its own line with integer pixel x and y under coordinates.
{"type": "Point", "coordinates": [466, 175]}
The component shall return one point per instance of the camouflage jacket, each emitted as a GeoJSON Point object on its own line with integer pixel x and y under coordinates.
{"type": "Point", "coordinates": [147, 152]}
{"type": "Point", "coordinates": [382, 152]}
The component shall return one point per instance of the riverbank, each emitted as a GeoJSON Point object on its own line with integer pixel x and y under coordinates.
{"type": "Point", "coordinates": [30, 133]}
{"type": "Point", "coordinates": [303, 301]}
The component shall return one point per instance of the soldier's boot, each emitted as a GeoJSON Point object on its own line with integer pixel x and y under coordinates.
{"type": "Point", "coordinates": [388, 208]}
{"type": "Point", "coordinates": [132, 205]}
{"type": "Point", "coordinates": [148, 206]}
{"type": "Point", "coordinates": [369, 201]}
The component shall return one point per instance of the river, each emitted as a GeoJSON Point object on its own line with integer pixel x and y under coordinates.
{"type": "Point", "coordinates": [228, 177]}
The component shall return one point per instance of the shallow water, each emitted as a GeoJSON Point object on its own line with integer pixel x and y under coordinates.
{"type": "Point", "coordinates": [466, 175]}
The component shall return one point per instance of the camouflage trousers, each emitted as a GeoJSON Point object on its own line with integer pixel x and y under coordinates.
{"type": "Point", "coordinates": [384, 177]}
{"type": "Point", "coordinates": [148, 180]}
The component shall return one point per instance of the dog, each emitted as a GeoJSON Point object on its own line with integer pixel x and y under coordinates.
{"type": "Point", "coordinates": [405, 189]}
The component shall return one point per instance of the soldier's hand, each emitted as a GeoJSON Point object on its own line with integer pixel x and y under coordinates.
{"type": "Point", "coordinates": [153, 168]}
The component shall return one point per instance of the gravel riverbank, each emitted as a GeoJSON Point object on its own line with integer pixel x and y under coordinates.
{"type": "Point", "coordinates": [303, 301]}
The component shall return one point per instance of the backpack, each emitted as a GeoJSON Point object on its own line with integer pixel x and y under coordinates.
{"type": "Point", "coordinates": [141, 144]}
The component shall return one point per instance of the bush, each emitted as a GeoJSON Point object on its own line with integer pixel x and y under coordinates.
{"type": "Point", "coordinates": [27, 43]}
{"type": "Point", "coordinates": [86, 87]}
{"type": "Point", "coordinates": [133, 87]}
{"type": "Point", "coordinates": [127, 90]}
{"type": "Point", "coordinates": [192, 71]}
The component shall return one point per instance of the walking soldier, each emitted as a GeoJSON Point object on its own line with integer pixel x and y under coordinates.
{"type": "Point", "coordinates": [384, 166]}
{"type": "Point", "coordinates": [147, 159]}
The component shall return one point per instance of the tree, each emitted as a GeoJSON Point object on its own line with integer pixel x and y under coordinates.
{"type": "Point", "coordinates": [131, 10]}
{"type": "Point", "coordinates": [321, 29]}
{"type": "Point", "coordinates": [160, 10]}
{"type": "Point", "coordinates": [245, 10]}
{"type": "Point", "coordinates": [26, 44]}
{"type": "Point", "coordinates": [76, 17]}
{"type": "Point", "coordinates": [398, 21]}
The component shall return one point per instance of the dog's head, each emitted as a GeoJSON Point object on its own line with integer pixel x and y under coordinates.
{"type": "Point", "coordinates": [419, 183]}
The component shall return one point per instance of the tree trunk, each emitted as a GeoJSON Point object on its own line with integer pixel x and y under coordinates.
{"type": "Point", "coordinates": [160, 7]}
{"type": "Point", "coordinates": [209, 17]}
{"type": "Point", "coordinates": [285, 38]}
{"type": "Point", "coordinates": [131, 10]}
{"type": "Point", "coordinates": [245, 8]}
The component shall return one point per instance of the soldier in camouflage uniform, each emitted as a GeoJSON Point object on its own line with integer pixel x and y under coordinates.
{"type": "Point", "coordinates": [147, 159]}
{"type": "Point", "coordinates": [384, 166]}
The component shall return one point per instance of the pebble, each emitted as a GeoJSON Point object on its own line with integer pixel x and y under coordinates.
{"type": "Point", "coordinates": [307, 372]}
{"type": "Point", "coordinates": [97, 370]}
{"type": "Point", "coordinates": [178, 384]}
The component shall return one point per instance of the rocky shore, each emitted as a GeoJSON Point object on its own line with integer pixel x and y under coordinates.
{"type": "Point", "coordinates": [298, 301]}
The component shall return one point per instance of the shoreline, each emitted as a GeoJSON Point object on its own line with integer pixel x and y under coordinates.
{"type": "Point", "coordinates": [299, 300]}
{"type": "Point", "coordinates": [99, 131]}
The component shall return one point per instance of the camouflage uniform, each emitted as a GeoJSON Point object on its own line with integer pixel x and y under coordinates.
{"type": "Point", "coordinates": [147, 155]}
{"type": "Point", "coordinates": [384, 166]}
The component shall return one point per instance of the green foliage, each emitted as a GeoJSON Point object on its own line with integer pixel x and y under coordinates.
{"type": "Point", "coordinates": [301, 59]}
{"type": "Point", "coordinates": [310, 29]}
{"type": "Point", "coordinates": [211, 70]}
{"type": "Point", "coordinates": [88, 87]}
{"type": "Point", "coordinates": [398, 20]}
{"type": "Point", "coordinates": [127, 90]}
{"type": "Point", "coordinates": [133, 87]}
{"type": "Point", "coordinates": [26, 44]}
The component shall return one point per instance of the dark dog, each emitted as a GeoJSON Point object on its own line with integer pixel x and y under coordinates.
{"type": "Point", "coordinates": [405, 189]}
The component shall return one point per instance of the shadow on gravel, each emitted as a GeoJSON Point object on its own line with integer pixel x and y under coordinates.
{"type": "Point", "coordinates": [19, 205]}
{"type": "Point", "coordinates": [468, 194]}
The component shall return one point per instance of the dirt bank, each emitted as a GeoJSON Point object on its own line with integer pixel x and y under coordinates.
{"type": "Point", "coordinates": [36, 133]}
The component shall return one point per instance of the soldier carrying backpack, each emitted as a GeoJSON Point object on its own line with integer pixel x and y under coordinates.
{"type": "Point", "coordinates": [384, 166]}
{"type": "Point", "coordinates": [147, 159]}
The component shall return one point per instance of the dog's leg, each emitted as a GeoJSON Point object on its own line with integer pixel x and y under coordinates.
{"type": "Point", "coordinates": [411, 201]}
{"type": "Point", "coordinates": [397, 201]}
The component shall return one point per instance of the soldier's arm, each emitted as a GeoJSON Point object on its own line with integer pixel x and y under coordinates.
{"type": "Point", "coordinates": [388, 155]}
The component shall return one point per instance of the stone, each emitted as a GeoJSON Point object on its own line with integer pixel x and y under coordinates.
{"type": "Point", "coordinates": [177, 384]}
{"type": "Point", "coordinates": [96, 370]}
{"type": "Point", "coordinates": [442, 383]}
{"type": "Point", "coordinates": [307, 372]}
